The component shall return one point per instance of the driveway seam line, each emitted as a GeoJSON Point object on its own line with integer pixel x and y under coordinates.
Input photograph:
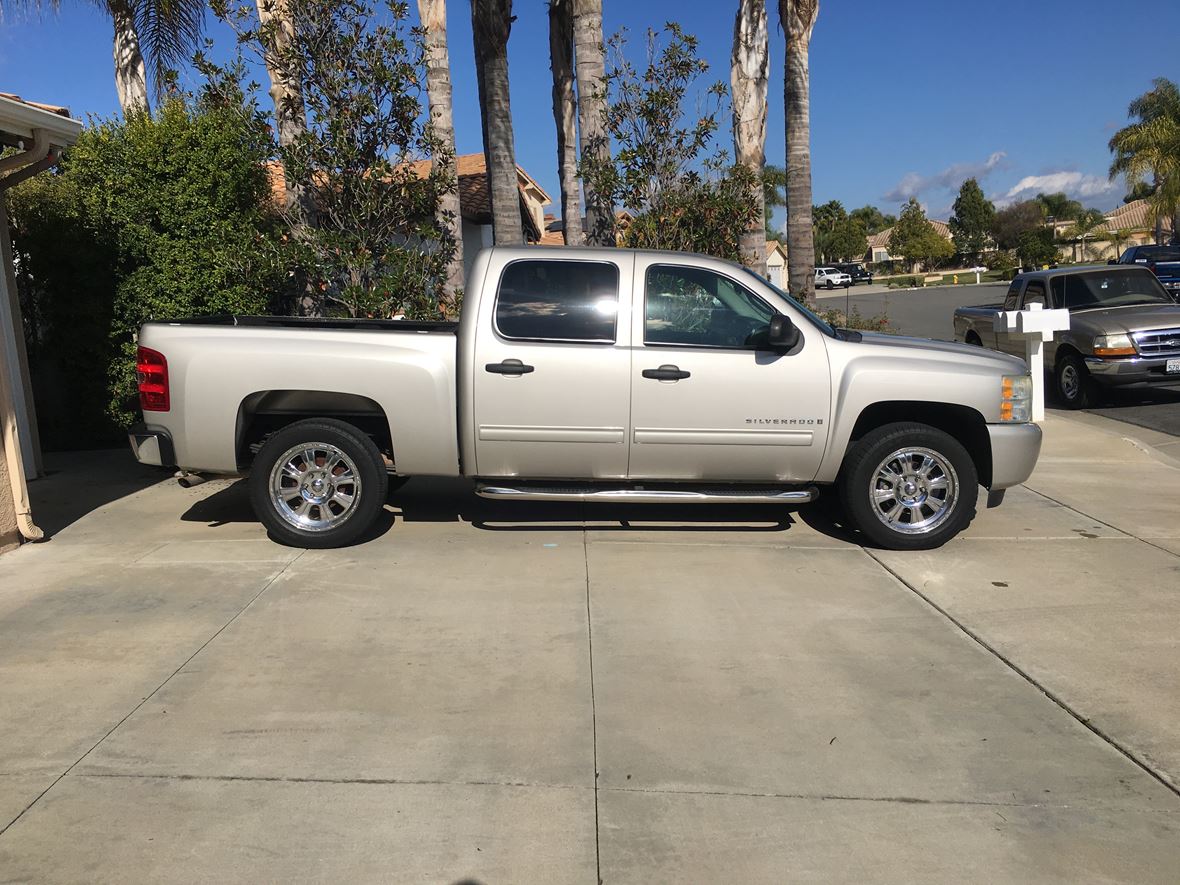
{"type": "Point", "coordinates": [1102, 522]}
{"type": "Point", "coordinates": [593, 706]}
{"type": "Point", "coordinates": [1029, 678]}
{"type": "Point", "coordinates": [339, 781]}
{"type": "Point", "coordinates": [150, 695]}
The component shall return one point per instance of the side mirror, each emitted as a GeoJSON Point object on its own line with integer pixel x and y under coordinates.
{"type": "Point", "coordinates": [783, 334]}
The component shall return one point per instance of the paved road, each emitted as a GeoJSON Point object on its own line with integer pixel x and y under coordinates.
{"type": "Point", "coordinates": [929, 313]}
{"type": "Point", "coordinates": [497, 692]}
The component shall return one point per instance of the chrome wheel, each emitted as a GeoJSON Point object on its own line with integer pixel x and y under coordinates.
{"type": "Point", "coordinates": [1070, 382]}
{"type": "Point", "coordinates": [914, 490]}
{"type": "Point", "coordinates": [314, 486]}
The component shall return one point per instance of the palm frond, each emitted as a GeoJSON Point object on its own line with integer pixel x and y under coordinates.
{"type": "Point", "coordinates": [169, 32]}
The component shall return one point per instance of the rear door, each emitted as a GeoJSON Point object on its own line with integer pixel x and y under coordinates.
{"type": "Point", "coordinates": [551, 373]}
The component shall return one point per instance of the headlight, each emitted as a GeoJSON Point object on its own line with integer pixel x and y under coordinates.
{"type": "Point", "coordinates": [1113, 345]}
{"type": "Point", "coordinates": [1016, 398]}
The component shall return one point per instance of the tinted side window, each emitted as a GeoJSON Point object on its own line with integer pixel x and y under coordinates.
{"type": "Point", "coordinates": [558, 301]}
{"type": "Point", "coordinates": [1057, 290]}
{"type": "Point", "coordinates": [1034, 292]}
{"type": "Point", "coordinates": [1010, 298]}
{"type": "Point", "coordinates": [696, 307]}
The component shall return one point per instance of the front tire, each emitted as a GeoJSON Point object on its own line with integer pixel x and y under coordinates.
{"type": "Point", "coordinates": [831, 285]}
{"type": "Point", "coordinates": [318, 484]}
{"type": "Point", "coordinates": [1075, 387]}
{"type": "Point", "coordinates": [909, 486]}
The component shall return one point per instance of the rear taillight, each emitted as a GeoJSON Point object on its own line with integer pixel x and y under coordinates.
{"type": "Point", "coordinates": [151, 370]}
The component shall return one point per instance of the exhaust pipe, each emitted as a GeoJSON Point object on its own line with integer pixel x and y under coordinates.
{"type": "Point", "coordinates": [188, 480]}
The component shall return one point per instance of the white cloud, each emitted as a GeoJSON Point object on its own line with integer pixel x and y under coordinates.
{"type": "Point", "coordinates": [1074, 184]}
{"type": "Point", "coordinates": [949, 178]}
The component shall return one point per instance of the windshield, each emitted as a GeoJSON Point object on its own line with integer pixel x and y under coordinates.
{"type": "Point", "coordinates": [1086, 291]}
{"type": "Point", "coordinates": [815, 320]}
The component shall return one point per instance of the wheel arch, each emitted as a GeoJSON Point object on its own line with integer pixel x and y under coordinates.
{"type": "Point", "coordinates": [963, 423]}
{"type": "Point", "coordinates": [265, 412]}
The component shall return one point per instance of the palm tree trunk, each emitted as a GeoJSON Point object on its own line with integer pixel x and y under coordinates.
{"type": "Point", "coordinates": [561, 62]}
{"type": "Point", "coordinates": [591, 70]}
{"type": "Point", "coordinates": [798, 21]}
{"type": "Point", "coordinates": [749, 78]}
{"type": "Point", "coordinates": [130, 72]}
{"type": "Point", "coordinates": [433, 14]}
{"type": "Point", "coordinates": [491, 23]}
{"type": "Point", "coordinates": [274, 17]}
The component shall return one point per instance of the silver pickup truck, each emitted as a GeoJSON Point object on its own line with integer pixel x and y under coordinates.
{"type": "Point", "coordinates": [1124, 329]}
{"type": "Point", "coordinates": [589, 375]}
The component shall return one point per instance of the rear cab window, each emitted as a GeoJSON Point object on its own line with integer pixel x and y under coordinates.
{"type": "Point", "coordinates": [556, 300]}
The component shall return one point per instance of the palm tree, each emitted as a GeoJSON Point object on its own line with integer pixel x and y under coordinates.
{"type": "Point", "coordinates": [433, 14]}
{"type": "Point", "coordinates": [798, 20]}
{"type": "Point", "coordinates": [749, 79]}
{"type": "Point", "coordinates": [167, 31]}
{"type": "Point", "coordinates": [561, 62]}
{"type": "Point", "coordinates": [1085, 225]}
{"type": "Point", "coordinates": [1116, 237]}
{"type": "Point", "coordinates": [1151, 146]}
{"type": "Point", "coordinates": [774, 195]}
{"type": "Point", "coordinates": [491, 23]}
{"type": "Point", "coordinates": [591, 71]}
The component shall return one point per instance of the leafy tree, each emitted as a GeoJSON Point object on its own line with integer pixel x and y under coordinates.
{"type": "Point", "coordinates": [1151, 146]}
{"type": "Point", "coordinates": [374, 244]}
{"type": "Point", "coordinates": [846, 241]}
{"type": "Point", "coordinates": [1140, 190]}
{"type": "Point", "coordinates": [1012, 221]}
{"type": "Point", "coordinates": [1036, 246]}
{"type": "Point", "coordinates": [916, 238]}
{"type": "Point", "coordinates": [972, 218]}
{"type": "Point", "coordinates": [1059, 206]}
{"type": "Point", "coordinates": [683, 192]}
{"type": "Point", "coordinates": [825, 218]}
{"type": "Point", "coordinates": [152, 217]}
{"type": "Point", "coordinates": [873, 219]}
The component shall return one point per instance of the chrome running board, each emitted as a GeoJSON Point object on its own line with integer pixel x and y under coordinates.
{"type": "Point", "coordinates": [640, 495]}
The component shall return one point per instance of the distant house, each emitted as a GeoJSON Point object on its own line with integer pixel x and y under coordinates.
{"type": "Point", "coordinates": [776, 263]}
{"type": "Point", "coordinates": [554, 234]}
{"type": "Point", "coordinates": [878, 249]}
{"type": "Point", "coordinates": [475, 201]}
{"type": "Point", "coordinates": [1137, 220]}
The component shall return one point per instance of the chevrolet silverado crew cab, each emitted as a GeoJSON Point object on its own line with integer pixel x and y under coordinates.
{"type": "Point", "coordinates": [589, 375]}
{"type": "Point", "coordinates": [1124, 329]}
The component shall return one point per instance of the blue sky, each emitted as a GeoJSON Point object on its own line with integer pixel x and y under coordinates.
{"type": "Point", "coordinates": [908, 97]}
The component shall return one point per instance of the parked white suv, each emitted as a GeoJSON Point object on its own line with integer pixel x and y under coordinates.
{"type": "Point", "coordinates": [831, 278]}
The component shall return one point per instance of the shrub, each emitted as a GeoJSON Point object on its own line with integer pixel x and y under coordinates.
{"type": "Point", "coordinates": [154, 217]}
{"type": "Point", "coordinates": [854, 320]}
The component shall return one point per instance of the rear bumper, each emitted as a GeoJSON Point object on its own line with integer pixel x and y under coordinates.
{"type": "Point", "coordinates": [1015, 448]}
{"type": "Point", "coordinates": [1132, 370]}
{"type": "Point", "coordinates": [151, 445]}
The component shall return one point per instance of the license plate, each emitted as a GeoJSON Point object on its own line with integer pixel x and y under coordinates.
{"type": "Point", "coordinates": [1173, 367]}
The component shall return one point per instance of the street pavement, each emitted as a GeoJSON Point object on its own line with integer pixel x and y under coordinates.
{"type": "Point", "coordinates": [929, 313]}
{"type": "Point", "coordinates": [489, 692]}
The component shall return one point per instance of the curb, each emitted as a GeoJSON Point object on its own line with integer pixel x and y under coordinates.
{"type": "Point", "coordinates": [1164, 447]}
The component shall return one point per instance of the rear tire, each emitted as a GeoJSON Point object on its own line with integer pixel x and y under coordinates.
{"type": "Point", "coordinates": [1075, 388]}
{"type": "Point", "coordinates": [909, 486]}
{"type": "Point", "coordinates": [318, 484]}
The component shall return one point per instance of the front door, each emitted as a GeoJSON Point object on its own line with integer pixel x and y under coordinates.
{"type": "Point", "coordinates": [709, 401]}
{"type": "Point", "coordinates": [551, 372]}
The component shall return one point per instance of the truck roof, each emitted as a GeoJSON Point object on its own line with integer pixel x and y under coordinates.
{"type": "Point", "coordinates": [1077, 269]}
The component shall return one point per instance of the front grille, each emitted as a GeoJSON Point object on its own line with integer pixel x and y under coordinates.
{"type": "Point", "coordinates": [1158, 342]}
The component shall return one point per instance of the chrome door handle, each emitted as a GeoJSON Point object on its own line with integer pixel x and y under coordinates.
{"type": "Point", "coordinates": [666, 372]}
{"type": "Point", "coordinates": [508, 367]}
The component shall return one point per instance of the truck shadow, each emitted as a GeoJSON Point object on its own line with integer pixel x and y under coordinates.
{"type": "Point", "coordinates": [434, 499]}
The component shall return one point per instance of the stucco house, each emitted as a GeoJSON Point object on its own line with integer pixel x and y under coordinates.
{"type": "Point", "coordinates": [878, 247]}
{"type": "Point", "coordinates": [39, 133]}
{"type": "Point", "coordinates": [776, 263]}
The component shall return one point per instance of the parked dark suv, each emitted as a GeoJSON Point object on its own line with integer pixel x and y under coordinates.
{"type": "Point", "coordinates": [856, 271]}
{"type": "Point", "coordinates": [1163, 261]}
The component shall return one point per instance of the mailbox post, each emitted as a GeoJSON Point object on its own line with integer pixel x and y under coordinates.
{"type": "Point", "coordinates": [1036, 326]}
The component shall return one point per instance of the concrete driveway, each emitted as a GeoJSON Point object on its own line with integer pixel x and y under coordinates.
{"type": "Point", "coordinates": [537, 693]}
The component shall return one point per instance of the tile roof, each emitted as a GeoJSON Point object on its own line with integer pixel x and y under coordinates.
{"type": "Point", "coordinates": [880, 240]}
{"type": "Point", "coordinates": [773, 246]}
{"type": "Point", "coordinates": [52, 108]}
{"type": "Point", "coordinates": [1136, 215]}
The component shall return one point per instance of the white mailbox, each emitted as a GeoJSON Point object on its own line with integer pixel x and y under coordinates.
{"type": "Point", "coordinates": [1036, 326]}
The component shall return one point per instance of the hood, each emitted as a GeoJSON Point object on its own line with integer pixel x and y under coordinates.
{"type": "Point", "coordinates": [969, 353]}
{"type": "Point", "coordinates": [1128, 319]}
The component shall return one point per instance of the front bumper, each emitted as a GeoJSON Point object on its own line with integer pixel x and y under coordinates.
{"type": "Point", "coordinates": [1131, 370]}
{"type": "Point", "coordinates": [1015, 448]}
{"type": "Point", "coordinates": [152, 445]}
